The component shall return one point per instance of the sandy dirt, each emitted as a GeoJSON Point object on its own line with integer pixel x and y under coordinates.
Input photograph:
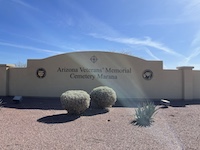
{"type": "Point", "coordinates": [28, 127]}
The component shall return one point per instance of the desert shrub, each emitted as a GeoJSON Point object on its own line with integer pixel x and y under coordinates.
{"type": "Point", "coordinates": [75, 101]}
{"type": "Point", "coordinates": [103, 96]}
{"type": "Point", "coordinates": [1, 103]}
{"type": "Point", "coordinates": [144, 114]}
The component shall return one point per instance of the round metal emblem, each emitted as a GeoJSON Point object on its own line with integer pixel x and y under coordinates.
{"type": "Point", "coordinates": [147, 75]}
{"type": "Point", "coordinates": [41, 73]}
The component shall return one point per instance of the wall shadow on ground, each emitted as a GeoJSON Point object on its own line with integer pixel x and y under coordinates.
{"type": "Point", "coordinates": [33, 103]}
{"type": "Point", "coordinates": [49, 104]}
{"type": "Point", "coordinates": [58, 118]}
{"type": "Point", "coordinates": [173, 102]}
{"type": "Point", "coordinates": [45, 103]}
{"type": "Point", "coordinates": [64, 118]}
{"type": "Point", "coordinates": [54, 104]}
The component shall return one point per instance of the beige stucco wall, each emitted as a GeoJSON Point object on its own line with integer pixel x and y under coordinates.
{"type": "Point", "coordinates": [3, 78]}
{"type": "Point", "coordinates": [19, 82]}
{"type": "Point", "coordinates": [61, 70]}
{"type": "Point", "coordinates": [166, 84]}
{"type": "Point", "coordinates": [127, 85]}
{"type": "Point", "coordinates": [196, 84]}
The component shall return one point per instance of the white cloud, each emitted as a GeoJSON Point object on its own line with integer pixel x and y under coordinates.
{"type": "Point", "coordinates": [24, 4]}
{"type": "Point", "coordinates": [193, 55]}
{"type": "Point", "coordinates": [151, 54]}
{"type": "Point", "coordinates": [134, 41]}
{"type": "Point", "coordinates": [195, 48]}
{"type": "Point", "coordinates": [190, 11]}
{"type": "Point", "coordinates": [165, 21]}
{"type": "Point", "coordinates": [196, 40]}
{"type": "Point", "coordinates": [187, 11]}
{"type": "Point", "coordinates": [31, 48]}
{"type": "Point", "coordinates": [83, 19]}
{"type": "Point", "coordinates": [191, 7]}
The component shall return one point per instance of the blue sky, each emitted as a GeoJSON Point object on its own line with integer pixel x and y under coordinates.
{"type": "Point", "coordinates": [167, 30]}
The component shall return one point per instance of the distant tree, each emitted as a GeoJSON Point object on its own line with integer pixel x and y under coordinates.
{"type": "Point", "coordinates": [21, 65]}
{"type": "Point", "coordinates": [127, 52]}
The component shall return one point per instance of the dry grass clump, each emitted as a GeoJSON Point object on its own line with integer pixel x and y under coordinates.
{"type": "Point", "coordinates": [75, 101]}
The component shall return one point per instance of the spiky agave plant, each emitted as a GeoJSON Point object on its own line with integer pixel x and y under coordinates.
{"type": "Point", "coordinates": [144, 114]}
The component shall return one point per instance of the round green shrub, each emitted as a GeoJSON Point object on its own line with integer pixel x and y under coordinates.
{"type": "Point", "coordinates": [75, 101]}
{"type": "Point", "coordinates": [103, 96]}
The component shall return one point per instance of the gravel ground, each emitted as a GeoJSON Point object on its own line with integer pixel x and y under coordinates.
{"type": "Point", "coordinates": [22, 128]}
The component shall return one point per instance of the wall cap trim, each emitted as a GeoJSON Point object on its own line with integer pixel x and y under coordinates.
{"type": "Point", "coordinates": [185, 68]}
